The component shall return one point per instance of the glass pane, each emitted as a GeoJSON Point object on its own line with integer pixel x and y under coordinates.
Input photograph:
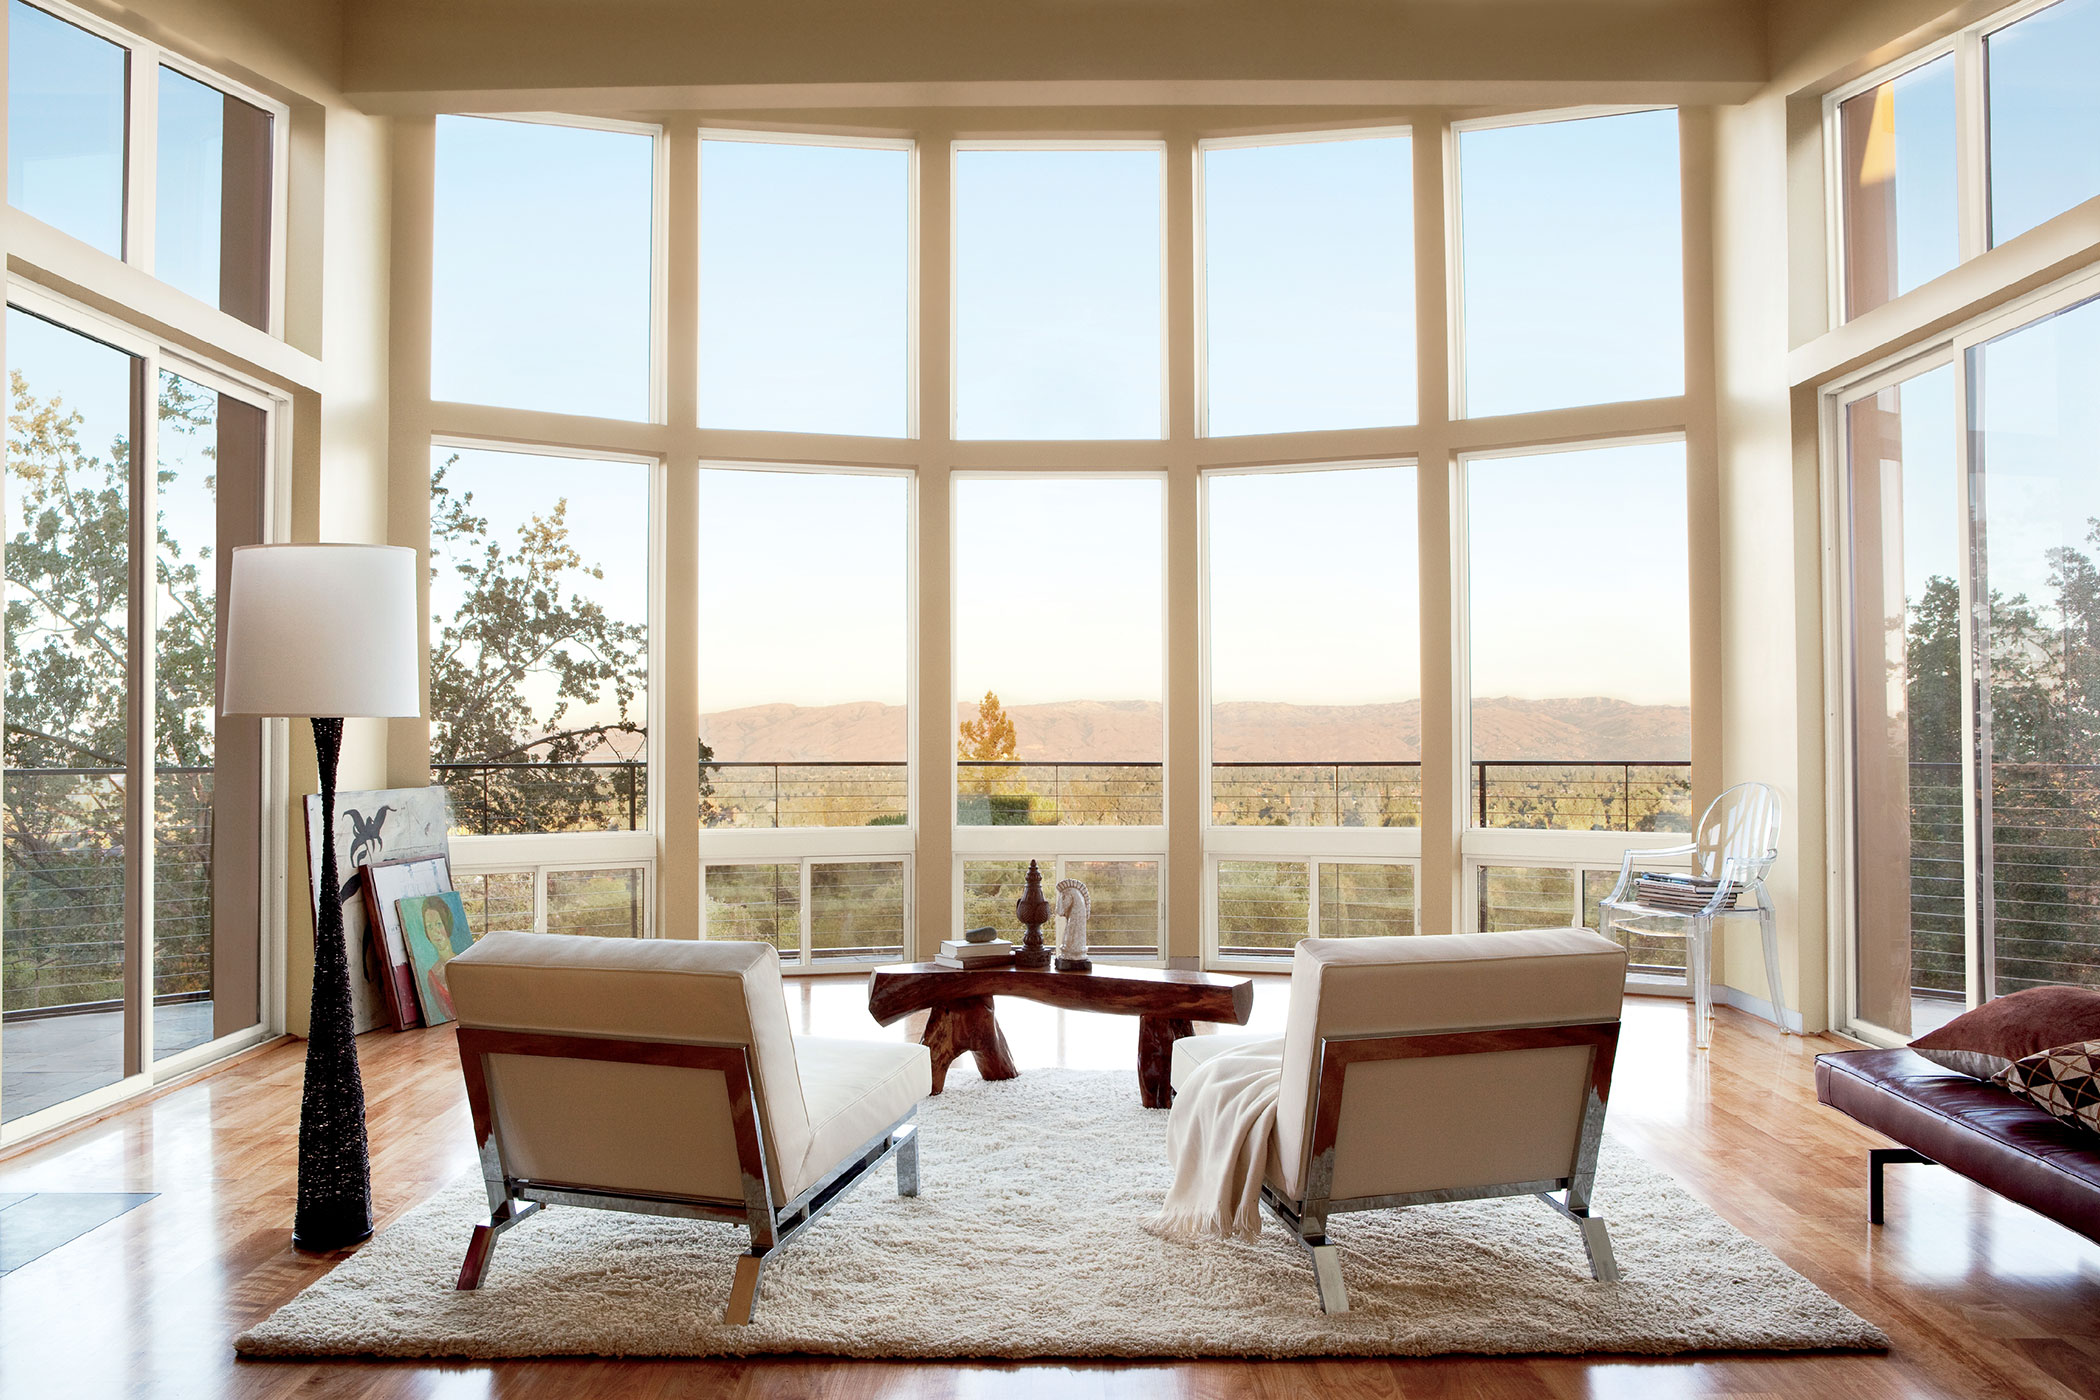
{"type": "Point", "coordinates": [212, 203]}
{"type": "Point", "coordinates": [1515, 897]}
{"type": "Point", "coordinates": [1057, 294]}
{"type": "Point", "coordinates": [1645, 952]}
{"type": "Point", "coordinates": [990, 888]}
{"type": "Point", "coordinates": [185, 740]}
{"type": "Point", "coordinates": [1315, 649]}
{"type": "Point", "coordinates": [1364, 900]}
{"type": "Point", "coordinates": [1572, 262]}
{"type": "Point", "coordinates": [67, 746]}
{"type": "Point", "coordinates": [603, 903]}
{"type": "Point", "coordinates": [1058, 661]}
{"type": "Point", "coordinates": [541, 282]}
{"type": "Point", "coordinates": [1122, 918]}
{"type": "Point", "coordinates": [756, 904]}
{"type": "Point", "coordinates": [804, 643]}
{"type": "Point", "coordinates": [1905, 503]}
{"type": "Point", "coordinates": [2035, 430]}
{"type": "Point", "coordinates": [65, 127]}
{"type": "Point", "coordinates": [1901, 225]}
{"type": "Point", "coordinates": [1264, 906]}
{"type": "Point", "coordinates": [500, 900]}
{"type": "Point", "coordinates": [856, 909]}
{"type": "Point", "coordinates": [805, 282]}
{"type": "Point", "coordinates": [2044, 115]}
{"type": "Point", "coordinates": [539, 641]}
{"type": "Point", "coordinates": [1309, 285]}
{"type": "Point", "coordinates": [1580, 643]}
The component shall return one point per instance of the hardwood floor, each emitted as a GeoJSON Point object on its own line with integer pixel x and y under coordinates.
{"type": "Point", "coordinates": [1981, 1298]}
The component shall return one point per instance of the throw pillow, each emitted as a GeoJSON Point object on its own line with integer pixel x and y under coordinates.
{"type": "Point", "coordinates": [2064, 1083]}
{"type": "Point", "coordinates": [1981, 1043]}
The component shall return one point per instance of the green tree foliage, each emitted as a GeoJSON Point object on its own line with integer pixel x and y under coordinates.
{"type": "Point", "coordinates": [528, 647]}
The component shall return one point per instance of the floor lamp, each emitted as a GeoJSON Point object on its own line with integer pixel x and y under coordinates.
{"type": "Point", "coordinates": [325, 631]}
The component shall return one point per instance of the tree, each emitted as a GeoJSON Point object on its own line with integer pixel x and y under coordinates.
{"type": "Point", "coordinates": [525, 625]}
{"type": "Point", "coordinates": [990, 736]}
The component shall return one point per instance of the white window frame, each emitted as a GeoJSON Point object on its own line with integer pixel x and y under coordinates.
{"type": "Point", "coordinates": [1580, 865]}
{"type": "Point", "coordinates": [144, 60]}
{"type": "Point", "coordinates": [1166, 328]}
{"type": "Point", "coordinates": [756, 136]}
{"type": "Point", "coordinates": [1024, 842]}
{"type": "Point", "coordinates": [1840, 743]}
{"type": "Point", "coordinates": [1455, 242]}
{"type": "Point", "coordinates": [274, 858]}
{"type": "Point", "coordinates": [806, 962]}
{"type": "Point", "coordinates": [1507, 845]}
{"type": "Point", "coordinates": [1055, 871]}
{"type": "Point", "coordinates": [1201, 221]}
{"type": "Point", "coordinates": [768, 845]}
{"type": "Point", "coordinates": [561, 849]}
{"type": "Point", "coordinates": [1312, 861]}
{"type": "Point", "coordinates": [1972, 193]}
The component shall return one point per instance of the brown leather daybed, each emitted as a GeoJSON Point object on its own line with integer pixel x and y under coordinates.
{"type": "Point", "coordinates": [1991, 1137]}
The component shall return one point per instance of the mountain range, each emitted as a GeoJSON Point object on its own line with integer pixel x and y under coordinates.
{"type": "Point", "coordinates": [1583, 728]}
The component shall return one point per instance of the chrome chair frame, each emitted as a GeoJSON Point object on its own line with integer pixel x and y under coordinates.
{"type": "Point", "coordinates": [1306, 1218]}
{"type": "Point", "coordinates": [514, 1198]}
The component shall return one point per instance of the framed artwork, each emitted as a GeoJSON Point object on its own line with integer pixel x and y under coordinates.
{"type": "Point", "coordinates": [386, 883]}
{"type": "Point", "coordinates": [384, 824]}
{"type": "Point", "coordinates": [435, 926]}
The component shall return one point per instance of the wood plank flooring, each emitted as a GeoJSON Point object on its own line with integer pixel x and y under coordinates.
{"type": "Point", "coordinates": [1982, 1299]}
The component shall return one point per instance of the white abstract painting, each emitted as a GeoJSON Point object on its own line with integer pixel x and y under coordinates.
{"type": "Point", "coordinates": [386, 824]}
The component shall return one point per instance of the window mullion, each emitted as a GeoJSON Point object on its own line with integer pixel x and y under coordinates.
{"type": "Point", "coordinates": [141, 152]}
{"type": "Point", "coordinates": [1971, 146]}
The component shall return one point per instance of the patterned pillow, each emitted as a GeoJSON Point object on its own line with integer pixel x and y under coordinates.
{"type": "Point", "coordinates": [2064, 1083]}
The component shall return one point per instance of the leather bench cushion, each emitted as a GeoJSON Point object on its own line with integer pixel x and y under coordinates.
{"type": "Point", "coordinates": [1968, 1126]}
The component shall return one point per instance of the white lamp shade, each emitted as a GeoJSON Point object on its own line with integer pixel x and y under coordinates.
{"type": "Point", "coordinates": [324, 630]}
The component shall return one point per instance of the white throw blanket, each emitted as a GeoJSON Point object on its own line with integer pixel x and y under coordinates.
{"type": "Point", "coordinates": [1218, 1141]}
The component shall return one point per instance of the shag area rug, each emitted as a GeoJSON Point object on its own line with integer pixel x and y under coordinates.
{"type": "Point", "coordinates": [1025, 1242]}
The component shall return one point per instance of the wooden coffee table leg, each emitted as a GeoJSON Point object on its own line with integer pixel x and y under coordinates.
{"type": "Point", "coordinates": [962, 1025]}
{"type": "Point", "coordinates": [1156, 1037]}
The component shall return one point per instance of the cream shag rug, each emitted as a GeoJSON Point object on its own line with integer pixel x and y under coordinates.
{"type": "Point", "coordinates": [1025, 1241]}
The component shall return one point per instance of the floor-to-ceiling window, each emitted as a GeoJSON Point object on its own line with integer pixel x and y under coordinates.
{"type": "Point", "coordinates": [136, 941]}
{"type": "Point", "coordinates": [1962, 489]}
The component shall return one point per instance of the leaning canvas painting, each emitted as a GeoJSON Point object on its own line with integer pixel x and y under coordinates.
{"type": "Point", "coordinates": [435, 927]}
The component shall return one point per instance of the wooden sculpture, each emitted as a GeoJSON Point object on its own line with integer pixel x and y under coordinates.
{"type": "Point", "coordinates": [1033, 910]}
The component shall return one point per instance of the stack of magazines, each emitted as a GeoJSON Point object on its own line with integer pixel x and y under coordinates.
{"type": "Point", "coordinates": [1685, 893]}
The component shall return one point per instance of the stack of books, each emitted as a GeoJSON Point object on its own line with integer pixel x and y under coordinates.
{"type": "Point", "coordinates": [957, 953]}
{"type": "Point", "coordinates": [1684, 893]}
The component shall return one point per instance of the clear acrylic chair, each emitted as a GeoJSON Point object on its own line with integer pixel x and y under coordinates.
{"type": "Point", "coordinates": [1735, 843]}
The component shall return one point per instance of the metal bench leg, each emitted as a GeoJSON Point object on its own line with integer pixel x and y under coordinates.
{"type": "Point", "coordinates": [743, 1290]}
{"type": "Point", "coordinates": [1879, 1157]}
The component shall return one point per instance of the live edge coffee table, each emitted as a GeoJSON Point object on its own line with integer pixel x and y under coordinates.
{"type": "Point", "coordinates": [960, 1003]}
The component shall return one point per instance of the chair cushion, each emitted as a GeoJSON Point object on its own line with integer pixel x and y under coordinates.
{"type": "Point", "coordinates": [1193, 1050]}
{"type": "Point", "coordinates": [646, 989]}
{"type": "Point", "coordinates": [855, 1089]}
{"type": "Point", "coordinates": [1433, 982]}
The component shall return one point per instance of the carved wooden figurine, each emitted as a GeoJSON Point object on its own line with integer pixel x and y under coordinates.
{"type": "Point", "coordinates": [1033, 911]}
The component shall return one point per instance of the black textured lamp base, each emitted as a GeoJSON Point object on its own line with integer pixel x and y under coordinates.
{"type": "Point", "coordinates": [328, 1236]}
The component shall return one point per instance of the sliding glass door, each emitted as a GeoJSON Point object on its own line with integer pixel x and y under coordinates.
{"type": "Point", "coordinates": [1971, 513]}
{"type": "Point", "coordinates": [130, 869]}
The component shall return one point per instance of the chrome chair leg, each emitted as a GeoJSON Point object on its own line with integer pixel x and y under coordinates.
{"type": "Point", "coordinates": [1327, 1277]}
{"type": "Point", "coordinates": [482, 1245]}
{"type": "Point", "coordinates": [1596, 1240]}
{"type": "Point", "coordinates": [908, 1160]}
{"type": "Point", "coordinates": [743, 1290]}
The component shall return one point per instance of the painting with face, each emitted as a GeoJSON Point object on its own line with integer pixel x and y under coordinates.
{"type": "Point", "coordinates": [435, 926]}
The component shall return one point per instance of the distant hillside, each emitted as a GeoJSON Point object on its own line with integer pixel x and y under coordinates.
{"type": "Point", "coordinates": [1587, 728]}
